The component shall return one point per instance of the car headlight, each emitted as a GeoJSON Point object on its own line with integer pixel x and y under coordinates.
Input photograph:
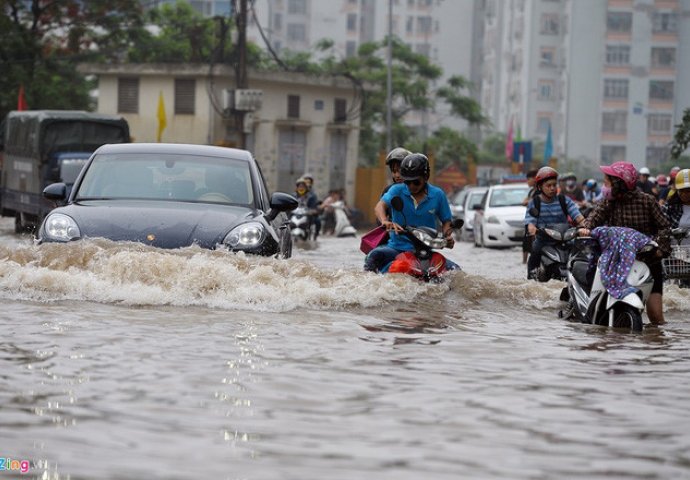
{"type": "Point", "coordinates": [245, 236]}
{"type": "Point", "coordinates": [493, 219]}
{"type": "Point", "coordinates": [61, 227]}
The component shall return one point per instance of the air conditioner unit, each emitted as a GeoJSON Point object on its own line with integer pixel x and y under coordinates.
{"type": "Point", "coordinates": [248, 99]}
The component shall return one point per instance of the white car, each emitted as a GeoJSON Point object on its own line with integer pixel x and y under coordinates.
{"type": "Point", "coordinates": [472, 199]}
{"type": "Point", "coordinates": [500, 219]}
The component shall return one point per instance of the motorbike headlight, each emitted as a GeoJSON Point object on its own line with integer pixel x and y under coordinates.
{"type": "Point", "coordinates": [428, 240]}
{"type": "Point", "coordinates": [555, 234]}
{"type": "Point", "coordinates": [570, 234]}
{"type": "Point", "coordinates": [245, 236]}
{"type": "Point", "coordinates": [493, 219]}
{"type": "Point", "coordinates": [61, 227]}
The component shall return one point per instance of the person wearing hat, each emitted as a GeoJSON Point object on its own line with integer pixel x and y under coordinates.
{"type": "Point", "coordinates": [668, 192]}
{"type": "Point", "coordinates": [661, 185]}
{"type": "Point", "coordinates": [677, 209]}
{"type": "Point", "coordinates": [643, 182]}
{"type": "Point", "coordinates": [624, 205]}
{"type": "Point", "coordinates": [423, 205]}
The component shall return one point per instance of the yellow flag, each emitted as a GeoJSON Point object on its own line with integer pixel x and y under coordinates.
{"type": "Point", "coordinates": [162, 123]}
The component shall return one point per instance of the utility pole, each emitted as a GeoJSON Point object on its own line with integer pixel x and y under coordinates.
{"type": "Point", "coordinates": [241, 69]}
{"type": "Point", "coordinates": [389, 81]}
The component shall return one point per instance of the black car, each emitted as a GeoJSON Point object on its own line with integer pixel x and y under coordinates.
{"type": "Point", "coordinates": [172, 196]}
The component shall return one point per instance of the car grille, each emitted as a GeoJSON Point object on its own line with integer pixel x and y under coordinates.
{"type": "Point", "coordinates": [516, 223]}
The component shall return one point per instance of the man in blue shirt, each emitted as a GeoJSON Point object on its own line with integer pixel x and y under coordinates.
{"type": "Point", "coordinates": [423, 205]}
{"type": "Point", "coordinates": [550, 209]}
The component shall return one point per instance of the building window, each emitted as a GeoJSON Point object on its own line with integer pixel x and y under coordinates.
{"type": "Point", "coordinates": [661, 90]}
{"type": "Point", "coordinates": [318, 104]}
{"type": "Point", "coordinates": [614, 122]}
{"type": "Point", "coordinates": [184, 96]}
{"type": "Point", "coordinates": [277, 21]}
{"type": "Point", "coordinates": [663, 57]}
{"type": "Point", "coordinates": [549, 24]}
{"type": "Point", "coordinates": [127, 95]}
{"type": "Point", "coordinates": [612, 153]}
{"type": "Point", "coordinates": [543, 122]}
{"type": "Point", "coordinates": [615, 88]}
{"type": "Point", "coordinates": [423, 49]}
{"type": "Point", "coordinates": [656, 156]}
{"type": "Point", "coordinates": [545, 89]}
{"type": "Point", "coordinates": [351, 22]}
{"type": "Point", "coordinates": [659, 124]}
{"type": "Point", "coordinates": [547, 56]}
{"type": "Point", "coordinates": [618, 54]}
{"type": "Point", "coordinates": [350, 49]}
{"type": "Point", "coordinates": [424, 24]}
{"type": "Point", "coordinates": [340, 110]}
{"type": "Point", "coordinates": [296, 32]}
{"type": "Point", "coordinates": [409, 26]}
{"type": "Point", "coordinates": [620, 22]}
{"type": "Point", "coordinates": [664, 22]}
{"type": "Point", "coordinates": [293, 106]}
{"type": "Point", "coordinates": [297, 6]}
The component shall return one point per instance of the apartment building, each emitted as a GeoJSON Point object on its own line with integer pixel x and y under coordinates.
{"type": "Point", "coordinates": [605, 74]}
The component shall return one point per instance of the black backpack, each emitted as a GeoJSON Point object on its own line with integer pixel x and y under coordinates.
{"type": "Point", "coordinates": [536, 209]}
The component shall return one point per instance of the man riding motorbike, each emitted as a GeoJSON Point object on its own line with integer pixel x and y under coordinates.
{"type": "Point", "coordinates": [423, 205]}
{"type": "Point", "coordinates": [547, 208]}
{"type": "Point", "coordinates": [624, 205]}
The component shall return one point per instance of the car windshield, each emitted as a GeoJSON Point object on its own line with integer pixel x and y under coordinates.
{"type": "Point", "coordinates": [475, 198]}
{"type": "Point", "coordinates": [70, 168]}
{"type": "Point", "coordinates": [508, 197]}
{"type": "Point", "coordinates": [157, 176]}
{"type": "Point", "coordinates": [459, 198]}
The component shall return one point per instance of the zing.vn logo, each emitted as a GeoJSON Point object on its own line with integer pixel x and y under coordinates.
{"type": "Point", "coordinates": [9, 464]}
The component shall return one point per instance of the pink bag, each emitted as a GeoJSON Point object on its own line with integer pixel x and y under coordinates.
{"type": "Point", "coordinates": [373, 238]}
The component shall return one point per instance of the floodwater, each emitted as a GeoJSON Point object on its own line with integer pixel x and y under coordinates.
{"type": "Point", "coordinates": [127, 362]}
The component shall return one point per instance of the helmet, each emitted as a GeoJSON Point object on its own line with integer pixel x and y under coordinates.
{"type": "Point", "coordinates": [624, 170]}
{"type": "Point", "coordinates": [396, 155]}
{"type": "Point", "coordinates": [662, 180]}
{"type": "Point", "coordinates": [569, 176]}
{"type": "Point", "coordinates": [414, 166]}
{"type": "Point", "coordinates": [300, 180]}
{"type": "Point", "coordinates": [673, 173]}
{"type": "Point", "coordinates": [544, 174]}
{"type": "Point", "coordinates": [683, 179]}
{"type": "Point", "coordinates": [591, 183]}
{"type": "Point", "coordinates": [644, 171]}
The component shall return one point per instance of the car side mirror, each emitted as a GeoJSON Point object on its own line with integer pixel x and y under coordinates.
{"type": "Point", "coordinates": [55, 192]}
{"type": "Point", "coordinates": [281, 202]}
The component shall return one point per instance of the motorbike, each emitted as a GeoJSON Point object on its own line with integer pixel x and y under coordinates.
{"type": "Point", "coordinates": [343, 228]}
{"type": "Point", "coordinates": [423, 263]}
{"type": "Point", "coordinates": [590, 302]}
{"type": "Point", "coordinates": [677, 266]}
{"type": "Point", "coordinates": [554, 256]}
{"type": "Point", "coordinates": [302, 225]}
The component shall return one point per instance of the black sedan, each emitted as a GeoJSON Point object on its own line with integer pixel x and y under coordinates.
{"type": "Point", "coordinates": [172, 196]}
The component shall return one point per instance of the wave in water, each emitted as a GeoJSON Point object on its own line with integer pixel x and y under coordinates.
{"type": "Point", "coordinates": [137, 275]}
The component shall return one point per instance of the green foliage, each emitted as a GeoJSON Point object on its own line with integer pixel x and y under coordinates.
{"type": "Point", "coordinates": [681, 140]}
{"type": "Point", "coordinates": [41, 44]}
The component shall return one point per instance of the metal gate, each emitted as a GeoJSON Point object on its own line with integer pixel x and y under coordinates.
{"type": "Point", "coordinates": [338, 161]}
{"type": "Point", "coordinates": [292, 145]}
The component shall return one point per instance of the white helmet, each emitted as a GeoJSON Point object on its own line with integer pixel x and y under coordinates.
{"type": "Point", "coordinates": [644, 171]}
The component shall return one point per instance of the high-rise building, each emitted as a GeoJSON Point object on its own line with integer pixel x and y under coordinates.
{"type": "Point", "coordinates": [605, 75]}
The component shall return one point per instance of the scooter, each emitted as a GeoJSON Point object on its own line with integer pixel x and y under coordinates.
{"type": "Point", "coordinates": [343, 228]}
{"type": "Point", "coordinates": [423, 263]}
{"type": "Point", "coordinates": [554, 257]}
{"type": "Point", "coordinates": [677, 266]}
{"type": "Point", "coordinates": [302, 226]}
{"type": "Point", "coordinates": [590, 302]}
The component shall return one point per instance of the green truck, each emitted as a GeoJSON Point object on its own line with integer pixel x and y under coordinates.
{"type": "Point", "coordinates": [40, 147]}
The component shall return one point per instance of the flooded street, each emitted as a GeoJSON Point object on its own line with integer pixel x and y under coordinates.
{"type": "Point", "coordinates": [126, 362]}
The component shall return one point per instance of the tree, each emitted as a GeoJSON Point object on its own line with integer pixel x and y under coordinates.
{"type": "Point", "coordinates": [42, 42]}
{"type": "Point", "coordinates": [681, 140]}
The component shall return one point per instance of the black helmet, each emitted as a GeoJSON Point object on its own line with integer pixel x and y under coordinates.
{"type": "Point", "coordinates": [414, 166]}
{"type": "Point", "coordinates": [396, 155]}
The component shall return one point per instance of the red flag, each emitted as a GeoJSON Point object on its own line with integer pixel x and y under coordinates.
{"type": "Point", "coordinates": [509, 142]}
{"type": "Point", "coordinates": [21, 101]}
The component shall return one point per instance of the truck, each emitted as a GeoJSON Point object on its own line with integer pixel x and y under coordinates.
{"type": "Point", "coordinates": [40, 147]}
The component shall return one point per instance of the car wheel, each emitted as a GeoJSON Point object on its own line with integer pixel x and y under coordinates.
{"type": "Point", "coordinates": [285, 251]}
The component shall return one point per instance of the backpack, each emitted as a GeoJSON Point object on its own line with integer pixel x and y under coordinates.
{"type": "Point", "coordinates": [536, 209]}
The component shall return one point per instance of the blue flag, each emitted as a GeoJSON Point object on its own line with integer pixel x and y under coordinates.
{"type": "Point", "coordinates": [548, 147]}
